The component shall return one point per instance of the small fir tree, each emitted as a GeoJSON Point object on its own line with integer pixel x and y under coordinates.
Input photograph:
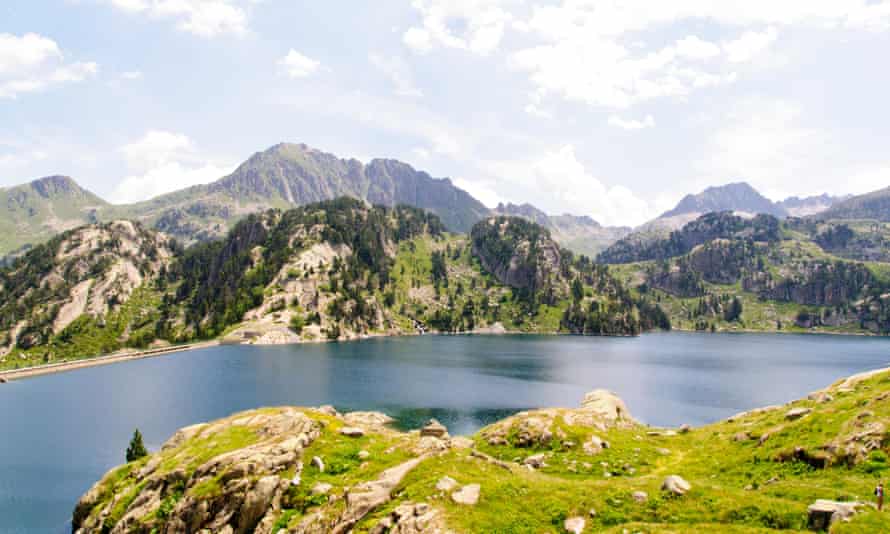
{"type": "Point", "coordinates": [137, 448]}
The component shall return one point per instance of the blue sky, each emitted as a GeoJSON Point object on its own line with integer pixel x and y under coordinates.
{"type": "Point", "coordinates": [605, 108]}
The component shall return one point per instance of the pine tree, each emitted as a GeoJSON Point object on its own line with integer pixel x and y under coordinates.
{"type": "Point", "coordinates": [137, 448]}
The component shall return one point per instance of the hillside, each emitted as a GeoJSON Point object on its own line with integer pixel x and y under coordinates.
{"type": "Point", "coordinates": [808, 465]}
{"type": "Point", "coordinates": [722, 272]}
{"type": "Point", "coordinates": [812, 205]}
{"type": "Point", "coordinates": [34, 212]}
{"type": "Point", "coordinates": [874, 206]}
{"type": "Point", "coordinates": [332, 270]}
{"type": "Point", "coordinates": [580, 234]}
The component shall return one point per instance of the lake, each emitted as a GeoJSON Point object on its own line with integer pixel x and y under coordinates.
{"type": "Point", "coordinates": [59, 433]}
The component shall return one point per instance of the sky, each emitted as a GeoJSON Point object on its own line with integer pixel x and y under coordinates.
{"type": "Point", "coordinates": [613, 109]}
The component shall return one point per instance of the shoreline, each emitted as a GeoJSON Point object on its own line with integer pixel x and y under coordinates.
{"type": "Point", "coordinates": [120, 357]}
{"type": "Point", "coordinates": [117, 357]}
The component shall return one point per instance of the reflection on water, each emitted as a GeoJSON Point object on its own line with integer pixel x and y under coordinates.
{"type": "Point", "coordinates": [60, 433]}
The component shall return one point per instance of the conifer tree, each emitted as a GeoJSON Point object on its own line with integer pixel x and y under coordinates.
{"type": "Point", "coordinates": [137, 448]}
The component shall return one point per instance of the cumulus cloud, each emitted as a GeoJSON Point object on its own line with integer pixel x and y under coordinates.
{"type": "Point", "coordinates": [205, 18]}
{"type": "Point", "coordinates": [476, 26]}
{"type": "Point", "coordinates": [160, 162]}
{"type": "Point", "coordinates": [632, 124]}
{"type": "Point", "coordinates": [749, 45]}
{"type": "Point", "coordinates": [296, 65]}
{"type": "Point", "coordinates": [33, 63]}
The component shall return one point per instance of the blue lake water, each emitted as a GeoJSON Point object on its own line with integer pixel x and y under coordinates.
{"type": "Point", "coordinates": [59, 433]}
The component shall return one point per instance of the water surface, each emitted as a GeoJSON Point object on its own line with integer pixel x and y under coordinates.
{"type": "Point", "coordinates": [59, 433]}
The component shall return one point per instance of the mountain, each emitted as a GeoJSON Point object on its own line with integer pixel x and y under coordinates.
{"type": "Point", "coordinates": [35, 211]}
{"type": "Point", "coordinates": [580, 234]}
{"type": "Point", "coordinates": [289, 175]}
{"type": "Point", "coordinates": [737, 197]}
{"type": "Point", "coordinates": [801, 207]}
{"type": "Point", "coordinates": [337, 269]}
{"type": "Point", "coordinates": [284, 176]}
{"type": "Point", "coordinates": [714, 225]}
{"type": "Point", "coordinates": [874, 206]}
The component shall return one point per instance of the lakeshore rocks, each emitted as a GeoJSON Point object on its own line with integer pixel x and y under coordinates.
{"type": "Point", "coordinates": [676, 485]}
{"type": "Point", "coordinates": [467, 495]}
{"type": "Point", "coordinates": [2, 380]}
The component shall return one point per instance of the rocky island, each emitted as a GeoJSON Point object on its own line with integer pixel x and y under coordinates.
{"type": "Point", "coordinates": [807, 465]}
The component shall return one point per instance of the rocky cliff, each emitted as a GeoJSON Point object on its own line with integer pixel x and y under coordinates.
{"type": "Point", "coordinates": [809, 464]}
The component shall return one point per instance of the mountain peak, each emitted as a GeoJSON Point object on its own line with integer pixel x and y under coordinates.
{"type": "Point", "coordinates": [735, 196]}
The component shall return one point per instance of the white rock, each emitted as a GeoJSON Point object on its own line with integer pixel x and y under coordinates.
{"type": "Point", "coordinates": [676, 485]}
{"type": "Point", "coordinates": [468, 494]}
{"type": "Point", "coordinates": [575, 525]}
{"type": "Point", "coordinates": [797, 413]}
{"type": "Point", "coordinates": [446, 483]}
{"type": "Point", "coordinates": [321, 488]}
{"type": "Point", "coordinates": [352, 431]}
{"type": "Point", "coordinates": [318, 463]}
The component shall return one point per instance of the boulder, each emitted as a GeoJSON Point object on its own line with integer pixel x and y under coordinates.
{"type": "Point", "coordinates": [675, 485]}
{"type": "Point", "coordinates": [467, 495]}
{"type": "Point", "coordinates": [321, 488]}
{"type": "Point", "coordinates": [460, 442]}
{"type": "Point", "coordinates": [363, 455]}
{"type": "Point", "coordinates": [685, 429]}
{"type": "Point", "coordinates": [606, 404]}
{"type": "Point", "coordinates": [595, 445]}
{"type": "Point", "coordinates": [535, 461]}
{"type": "Point", "coordinates": [318, 463]}
{"type": "Point", "coordinates": [823, 513]}
{"type": "Point", "coordinates": [575, 525]}
{"type": "Point", "coordinates": [640, 496]}
{"type": "Point", "coordinates": [434, 429]}
{"type": "Point", "coordinates": [352, 431]}
{"type": "Point", "coordinates": [796, 413]}
{"type": "Point", "coordinates": [2, 380]}
{"type": "Point", "coordinates": [446, 483]}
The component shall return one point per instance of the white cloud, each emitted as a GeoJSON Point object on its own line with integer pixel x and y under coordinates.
{"type": "Point", "coordinates": [695, 48]}
{"type": "Point", "coordinates": [33, 63]}
{"type": "Point", "coordinates": [296, 65]}
{"type": "Point", "coordinates": [632, 124]}
{"type": "Point", "coordinates": [594, 52]}
{"type": "Point", "coordinates": [132, 75]}
{"type": "Point", "coordinates": [473, 25]}
{"type": "Point", "coordinates": [399, 74]}
{"type": "Point", "coordinates": [161, 162]}
{"type": "Point", "coordinates": [749, 45]}
{"type": "Point", "coordinates": [205, 18]}
{"type": "Point", "coordinates": [166, 178]}
{"type": "Point", "coordinates": [481, 191]}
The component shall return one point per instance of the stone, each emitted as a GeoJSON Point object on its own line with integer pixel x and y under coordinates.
{"type": "Point", "coordinates": [446, 483]}
{"type": "Point", "coordinates": [741, 436]}
{"type": "Point", "coordinates": [662, 451]}
{"type": "Point", "coordinates": [363, 455]}
{"type": "Point", "coordinates": [796, 413]}
{"type": "Point", "coordinates": [824, 513]}
{"type": "Point", "coordinates": [640, 496]}
{"type": "Point", "coordinates": [2, 380]}
{"type": "Point", "coordinates": [595, 445]}
{"type": "Point", "coordinates": [575, 525]}
{"type": "Point", "coordinates": [327, 409]}
{"type": "Point", "coordinates": [467, 495]}
{"type": "Point", "coordinates": [606, 405]}
{"type": "Point", "coordinates": [460, 442]}
{"type": "Point", "coordinates": [820, 397]}
{"type": "Point", "coordinates": [676, 485]}
{"type": "Point", "coordinates": [321, 488]}
{"type": "Point", "coordinates": [434, 429]}
{"type": "Point", "coordinates": [685, 429]}
{"type": "Point", "coordinates": [318, 463]}
{"type": "Point", "coordinates": [352, 431]}
{"type": "Point", "coordinates": [535, 461]}
{"type": "Point", "coordinates": [592, 513]}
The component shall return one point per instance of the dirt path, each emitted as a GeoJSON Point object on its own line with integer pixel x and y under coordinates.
{"type": "Point", "coordinates": [16, 374]}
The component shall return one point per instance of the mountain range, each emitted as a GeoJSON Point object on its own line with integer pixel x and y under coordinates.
{"type": "Point", "coordinates": [289, 175]}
